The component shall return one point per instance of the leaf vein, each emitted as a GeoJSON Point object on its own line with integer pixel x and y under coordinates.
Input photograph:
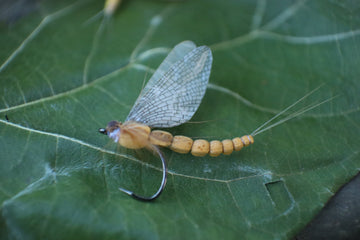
{"type": "Point", "coordinates": [46, 20]}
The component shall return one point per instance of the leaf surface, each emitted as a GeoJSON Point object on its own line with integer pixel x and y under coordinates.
{"type": "Point", "coordinates": [65, 73]}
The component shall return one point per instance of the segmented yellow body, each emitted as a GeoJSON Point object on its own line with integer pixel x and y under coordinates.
{"type": "Point", "coordinates": [199, 147]}
{"type": "Point", "coordinates": [135, 136]}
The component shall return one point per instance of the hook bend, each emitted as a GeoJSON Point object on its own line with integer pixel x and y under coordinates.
{"type": "Point", "coordinates": [161, 188]}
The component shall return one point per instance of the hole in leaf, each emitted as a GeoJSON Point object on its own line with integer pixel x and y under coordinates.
{"type": "Point", "coordinates": [281, 197]}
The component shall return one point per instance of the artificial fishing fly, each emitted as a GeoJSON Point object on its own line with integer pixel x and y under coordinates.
{"type": "Point", "coordinates": [170, 98]}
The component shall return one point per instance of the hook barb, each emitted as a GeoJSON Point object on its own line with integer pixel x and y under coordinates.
{"type": "Point", "coordinates": [162, 185]}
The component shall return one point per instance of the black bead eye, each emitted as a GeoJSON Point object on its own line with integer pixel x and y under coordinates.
{"type": "Point", "coordinates": [102, 130]}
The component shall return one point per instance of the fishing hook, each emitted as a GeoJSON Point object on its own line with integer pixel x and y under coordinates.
{"type": "Point", "coordinates": [163, 181]}
{"type": "Point", "coordinates": [161, 188]}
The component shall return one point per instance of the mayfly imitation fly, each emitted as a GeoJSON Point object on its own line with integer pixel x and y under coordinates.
{"type": "Point", "coordinates": [170, 98]}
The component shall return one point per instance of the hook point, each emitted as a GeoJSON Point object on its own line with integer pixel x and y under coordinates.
{"type": "Point", "coordinates": [126, 191]}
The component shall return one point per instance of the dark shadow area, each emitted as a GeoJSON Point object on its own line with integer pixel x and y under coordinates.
{"type": "Point", "coordinates": [340, 218]}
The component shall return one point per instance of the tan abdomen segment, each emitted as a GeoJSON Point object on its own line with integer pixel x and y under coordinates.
{"type": "Point", "coordinates": [199, 147]}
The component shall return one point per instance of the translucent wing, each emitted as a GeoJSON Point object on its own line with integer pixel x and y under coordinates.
{"type": "Point", "coordinates": [174, 92]}
{"type": "Point", "coordinates": [176, 54]}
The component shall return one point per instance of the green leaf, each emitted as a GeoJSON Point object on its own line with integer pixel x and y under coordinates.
{"type": "Point", "coordinates": [65, 73]}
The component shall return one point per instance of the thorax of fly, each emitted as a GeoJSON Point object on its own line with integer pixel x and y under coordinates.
{"type": "Point", "coordinates": [130, 134]}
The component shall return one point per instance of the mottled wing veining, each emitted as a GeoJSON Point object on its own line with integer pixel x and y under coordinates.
{"type": "Point", "coordinates": [176, 54]}
{"type": "Point", "coordinates": [173, 98]}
